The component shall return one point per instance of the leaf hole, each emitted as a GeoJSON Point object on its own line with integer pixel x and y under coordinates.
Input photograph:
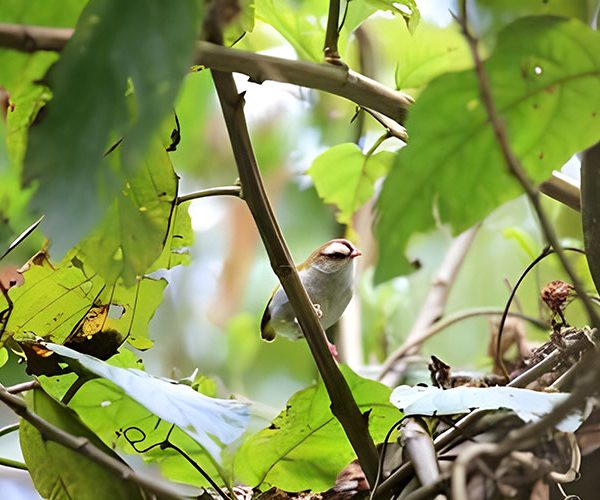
{"type": "Point", "coordinates": [116, 311]}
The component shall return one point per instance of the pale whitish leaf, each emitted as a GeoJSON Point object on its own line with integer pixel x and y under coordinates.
{"type": "Point", "coordinates": [529, 405]}
{"type": "Point", "coordinates": [199, 416]}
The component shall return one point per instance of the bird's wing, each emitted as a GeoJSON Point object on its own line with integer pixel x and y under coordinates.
{"type": "Point", "coordinates": [267, 331]}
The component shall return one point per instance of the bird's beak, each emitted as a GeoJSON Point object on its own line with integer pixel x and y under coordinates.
{"type": "Point", "coordinates": [355, 253]}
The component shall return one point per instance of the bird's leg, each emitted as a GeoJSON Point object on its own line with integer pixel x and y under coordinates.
{"type": "Point", "coordinates": [332, 349]}
{"type": "Point", "coordinates": [318, 310]}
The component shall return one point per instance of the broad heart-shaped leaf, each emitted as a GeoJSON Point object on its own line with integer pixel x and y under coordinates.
{"type": "Point", "coordinates": [544, 76]}
{"type": "Point", "coordinates": [146, 42]}
{"type": "Point", "coordinates": [305, 447]}
{"type": "Point", "coordinates": [344, 176]}
{"type": "Point", "coordinates": [134, 230]}
{"type": "Point", "coordinates": [200, 417]}
{"type": "Point", "coordinates": [529, 405]}
{"type": "Point", "coordinates": [70, 302]}
{"type": "Point", "coordinates": [61, 473]}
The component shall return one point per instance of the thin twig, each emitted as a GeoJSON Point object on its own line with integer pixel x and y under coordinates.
{"type": "Point", "coordinates": [545, 253]}
{"type": "Point", "coordinates": [516, 169]}
{"type": "Point", "coordinates": [326, 77]}
{"type": "Point", "coordinates": [74, 387]}
{"type": "Point", "coordinates": [8, 429]}
{"type": "Point", "coordinates": [86, 448]}
{"type": "Point", "coordinates": [216, 191]}
{"type": "Point", "coordinates": [13, 464]}
{"type": "Point", "coordinates": [562, 188]}
{"type": "Point", "coordinates": [343, 405]}
{"type": "Point", "coordinates": [405, 349]}
{"type": "Point", "coordinates": [164, 444]}
{"type": "Point", "coordinates": [23, 386]}
{"type": "Point", "coordinates": [330, 48]}
{"type": "Point", "coordinates": [434, 304]}
{"type": "Point", "coordinates": [393, 127]}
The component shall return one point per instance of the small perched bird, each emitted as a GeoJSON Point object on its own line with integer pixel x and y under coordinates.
{"type": "Point", "coordinates": [327, 275]}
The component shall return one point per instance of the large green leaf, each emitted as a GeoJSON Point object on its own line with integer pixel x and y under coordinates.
{"type": "Point", "coordinates": [209, 421]}
{"type": "Point", "coordinates": [544, 75]}
{"type": "Point", "coordinates": [148, 43]}
{"type": "Point", "coordinates": [302, 24]}
{"type": "Point", "coordinates": [60, 473]}
{"type": "Point", "coordinates": [70, 302]}
{"type": "Point", "coordinates": [135, 228]}
{"type": "Point", "coordinates": [344, 176]}
{"type": "Point", "coordinates": [305, 447]}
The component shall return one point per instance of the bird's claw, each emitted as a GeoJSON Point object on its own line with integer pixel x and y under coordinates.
{"type": "Point", "coordinates": [318, 310]}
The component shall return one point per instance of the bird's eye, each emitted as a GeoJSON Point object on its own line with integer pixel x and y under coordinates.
{"type": "Point", "coordinates": [338, 255]}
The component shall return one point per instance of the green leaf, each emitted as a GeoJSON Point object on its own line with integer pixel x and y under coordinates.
{"type": "Point", "coordinates": [305, 447]}
{"type": "Point", "coordinates": [544, 81]}
{"type": "Point", "coordinates": [3, 356]}
{"type": "Point", "coordinates": [61, 473]}
{"type": "Point", "coordinates": [427, 53]}
{"type": "Point", "coordinates": [206, 420]}
{"type": "Point", "coordinates": [146, 43]}
{"type": "Point", "coordinates": [405, 8]}
{"type": "Point", "coordinates": [179, 239]}
{"type": "Point", "coordinates": [304, 33]}
{"type": "Point", "coordinates": [69, 302]}
{"type": "Point", "coordinates": [345, 177]}
{"type": "Point", "coordinates": [134, 230]}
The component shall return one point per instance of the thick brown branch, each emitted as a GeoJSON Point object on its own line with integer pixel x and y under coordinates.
{"type": "Point", "coordinates": [326, 77]}
{"type": "Point", "coordinates": [343, 405]}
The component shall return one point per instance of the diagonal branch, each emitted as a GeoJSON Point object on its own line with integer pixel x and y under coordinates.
{"type": "Point", "coordinates": [329, 78]}
{"type": "Point", "coordinates": [343, 405]}
{"type": "Point", "coordinates": [87, 449]}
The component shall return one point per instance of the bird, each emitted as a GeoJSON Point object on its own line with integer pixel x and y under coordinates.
{"type": "Point", "coordinates": [327, 275]}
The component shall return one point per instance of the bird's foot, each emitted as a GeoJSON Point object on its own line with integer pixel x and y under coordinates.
{"type": "Point", "coordinates": [318, 310]}
{"type": "Point", "coordinates": [333, 350]}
